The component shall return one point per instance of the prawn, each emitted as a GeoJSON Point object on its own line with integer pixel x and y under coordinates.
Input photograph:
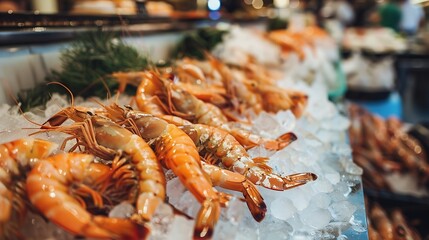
{"type": "Point", "coordinates": [211, 115]}
{"type": "Point", "coordinates": [47, 188]}
{"type": "Point", "coordinates": [146, 94]}
{"type": "Point", "coordinates": [382, 222]}
{"type": "Point", "coordinates": [183, 104]}
{"type": "Point", "coordinates": [178, 153]}
{"type": "Point", "coordinates": [151, 129]}
{"type": "Point", "coordinates": [104, 138]}
{"type": "Point", "coordinates": [402, 230]}
{"type": "Point", "coordinates": [229, 153]}
{"type": "Point", "coordinates": [16, 158]}
{"type": "Point", "coordinates": [171, 152]}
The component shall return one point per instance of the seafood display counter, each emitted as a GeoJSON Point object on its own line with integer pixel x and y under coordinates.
{"type": "Point", "coordinates": [282, 164]}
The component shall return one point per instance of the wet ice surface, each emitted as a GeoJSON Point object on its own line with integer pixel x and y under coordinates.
{"type": "Point", "coordinates": [322, 209]}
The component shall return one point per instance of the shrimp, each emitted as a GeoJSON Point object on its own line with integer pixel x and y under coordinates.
{"type": "Point", "coordinates": [216, 141]}
{"type": "Point", "coordinates": [382, 223]}
{"type": "Point", "coordinates": [211, 115]}
{"type": "Point", "coordinates": [181, 103]}
{"type": "Point", "coordinates": [16, 158]}
{"type": "Point", "coordinates": [104, 138]}
{"type": "Point", "coordinates": [48, 184]}
{"type": "Point", "coordinates": [173, 151]}
{"type": "Point", "coordinates": [402, 230]}
{"type": "Point", "coordinates": [237, 182]}
{"type": "Point", "coordinates": [251, 88]}
{"type": "Point", "coordinates": [230, 154]}
{"type": "Point", "coordinates": [191, 76]}
{"type": "Point", "coordinates": [371, 175]}
{"type": "Point", "coordinates": [241, 96]}
{"type": "Point", "coordinates": [178, 153]}
{"type": "Point", "coordinates": [151, 129]}
{"type": "Point", "coordinates": [146, 98]}
{"type": "Point", "coordinates": [372, 233]}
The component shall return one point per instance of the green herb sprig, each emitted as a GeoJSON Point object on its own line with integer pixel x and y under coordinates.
{"type": "Point", "coordinates": [86, 68]}
{"type": "Point", "coordinates": [194, 44]}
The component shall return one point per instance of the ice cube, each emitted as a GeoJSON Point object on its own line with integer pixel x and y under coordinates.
{"type": "Point", "coordinates": [266, 125]}
{"type": "Point", "coordinates": [180, 229]}
{"type": "Point", "coordinates": [295, 222]}
{"type": "Point", "coordinates": [282, 208]}
{"type": "Point", "coordinates": [330, 174]}
{"type": "Point", "coordinates": [298, 197]}
{"type": "Point", "coordinates": [302, 235]}
{"type": "Point", "coordinates": [248, 229]}
{"type": "Point", "coordinates": [175, 190]}
{"type": "Point", "coordinates": [274, 228]}
{"type": "Point", "coordinates": [337, 123]}
{"type": "Point", "coordinates": [357, 225]}
{"type": "Point", "coordinates": [260, 151]}
{"type": "Point", "coordinates": [342, 190]}
{"type": "Point", "coordinates": [188, 204]}
{"type": "Point", "coordinates": [234, 211]}
{"type": "Point", "coordinates": [225, 230]}
{"type": "Point", "coordinates": [342, 148]}
{"type": "Point", "coordinates": [342, 211]}
{"type": "Point", "coordinates": [342, 237]}
{"type": "Point", "coordinates": [321, 200]}
{"type": "Point", "coordinates": [352, 168]}
{"type": "Point", "coordinates": [322, 185]}
{"type": "Point", "coordinates": [316, 218]}
{"type": "Point", "coordinates": [161, 221]}
{"type": "Point", "coordinates": [287, 120]}
{"type": "Point", "coordinates": [122, 210]}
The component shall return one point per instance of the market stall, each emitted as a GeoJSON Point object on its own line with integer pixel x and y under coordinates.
{"type": "Point", "coordinates": [331, 206]}
{"type": "Point", "coordinates": [242, 132]}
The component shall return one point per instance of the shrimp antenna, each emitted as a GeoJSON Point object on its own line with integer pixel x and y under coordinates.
{"type": "Point", "coordinates": [43, 125]}
{"type": "Point", "coordinates": [103, 81]}
{"type": "Point", "coordinates": [67, 89]}
{"type": "Point", "coordinates": [9, 92]}
{"type": "Point", "coordinates": [98, 102]}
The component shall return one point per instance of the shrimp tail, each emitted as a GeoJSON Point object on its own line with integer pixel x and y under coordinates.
{"type": "Point", "coordinates": [206, 219]}
{"type": "Point", "coordinates": [280, 142]}
{"type": "Point", "coordinates": [298, 179]}
{"type": "Point", "coordinates": [254, 201]}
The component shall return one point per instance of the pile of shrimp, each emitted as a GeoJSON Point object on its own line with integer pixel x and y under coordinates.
{"type": "Point", "coordinates": [381, 145]}
{"type": "Point", "coordinates": [388, 224]}
{"type": "Point", "coordinates": [120, 154]}
{"type": "Point", "coordinates": [237, 91]}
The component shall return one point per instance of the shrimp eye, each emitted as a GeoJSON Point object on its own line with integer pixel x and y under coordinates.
{"type": "Point", "coordinates": [128, 107]}
{"type": "Point", "coordinates": [90, 113]}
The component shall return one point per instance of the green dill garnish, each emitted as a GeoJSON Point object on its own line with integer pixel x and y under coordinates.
{"type": "Point", "coordinates": [86, 68]}
{"type": "Point", "coordinates": [194, 44]}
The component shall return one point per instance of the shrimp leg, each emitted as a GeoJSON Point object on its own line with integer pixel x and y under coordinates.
{"type": "Point", "coordinates": [237, 182]}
